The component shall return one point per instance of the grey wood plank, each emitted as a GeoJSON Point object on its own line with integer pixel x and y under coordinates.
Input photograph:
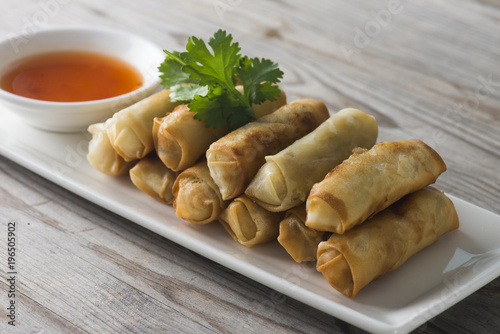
{"type": "Point", "coordinates": [430, 71]}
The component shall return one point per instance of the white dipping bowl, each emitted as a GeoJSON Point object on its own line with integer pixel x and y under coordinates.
{"type": "Point", "coordinates": [77, 116]}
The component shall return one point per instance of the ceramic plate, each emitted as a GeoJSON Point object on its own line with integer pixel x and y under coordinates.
{"type": "Point", "coordinates": [438, 277]}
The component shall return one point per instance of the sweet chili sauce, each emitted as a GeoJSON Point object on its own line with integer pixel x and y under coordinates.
{"type": "Point", "coordinates": [70, 76]}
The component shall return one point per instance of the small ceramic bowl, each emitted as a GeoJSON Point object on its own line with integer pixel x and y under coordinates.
{"type": "Point", "coordinates": [77, 116]}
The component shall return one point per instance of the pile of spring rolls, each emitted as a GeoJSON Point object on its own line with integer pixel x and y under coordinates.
{"type": "Point", "coordinates": [317, 183]}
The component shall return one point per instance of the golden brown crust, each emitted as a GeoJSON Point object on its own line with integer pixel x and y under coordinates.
{"type": "Point", "coordinates": [298, 240]}
{"type": "Point", "coordinates": [248, 223]}
{"type": "Point", "coordinates": [197, 197]}
{"type": "Point", "coordinates": [130, 129]}
{"type": "Point", "coordinates": [370, 181]}
{"type": "Point", "coordinates": [152, 177]}
{"type": "Point", "coordinates": [101, 154]}
{"type": "Point", "coordinates": [182, 139]}
{"type": "Point", "coordinates": [286, 178]}
{"type": "Point", "coordinates": [435, 156]}
{"type": "Point", "coordinates": [334, 202]}
{"type": "Point", "coordinates": [235, 158]}
{"type": "Point", "coordinates": [384, 242]}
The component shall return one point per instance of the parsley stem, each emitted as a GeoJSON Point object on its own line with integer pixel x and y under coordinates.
{"type": "Point", "coordinates": [239, 95]}
{"type": "Point", "coordinates": [173, 56]}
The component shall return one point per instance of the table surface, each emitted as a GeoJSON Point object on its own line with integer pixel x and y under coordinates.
{"type": "Point", "coordinates": [426, 69]}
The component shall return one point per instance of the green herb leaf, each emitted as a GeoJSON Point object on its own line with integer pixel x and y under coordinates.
{"type": "Point", "coordinates": [187, 92]}
{"type": "Point", "coordinates": [254, 73]}
{"type": "Point", "coordinates": [217, 106]}
{"type": "Point", "coordinates": [171, 71]}
{"type": "Point", "coordinates": [208, 68]}
{"type": "Point", "coordinates": [205, 76]}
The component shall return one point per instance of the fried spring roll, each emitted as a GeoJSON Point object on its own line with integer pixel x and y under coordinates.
{"type": "Point", "coordinates": [370, 181]}
{"type": "Point", "coordinates": [383, 243]}
{"type": "Point", "coordinates": [248, 223]}
{"type": "Point", "coordinates": [287, 177]}
{"type": "Point", "coordinates": [234, 159]}
{"type": "Point", "coordinates": [152, 177]}
{"type": "Point", "coordinates": [129, 129]}
{"type": "Point", "coordinates": [300, 241]}
{"type": "Point", "coordinates": [197, 197]}
{"type": "Point", "coordinates": [102, 156]}
{"type": "Point", "coordinates": [182, 140]}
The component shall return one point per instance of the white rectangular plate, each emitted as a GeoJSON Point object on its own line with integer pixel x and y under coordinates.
{"type": "Point", "coordinates": [430, 282]}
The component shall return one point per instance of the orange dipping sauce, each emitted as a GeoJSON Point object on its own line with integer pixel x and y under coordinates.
{"type": "Point", "coordinates": [70, 76]}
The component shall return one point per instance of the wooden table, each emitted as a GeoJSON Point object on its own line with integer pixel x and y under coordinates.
{"type": "Point", "coordinates": [426, 69]}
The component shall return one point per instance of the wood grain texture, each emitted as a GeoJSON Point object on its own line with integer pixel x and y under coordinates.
{"type": "Point", "coordinates": [428, 70]}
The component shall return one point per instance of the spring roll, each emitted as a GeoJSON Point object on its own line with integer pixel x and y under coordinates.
{"type": "Point", "coordinates": [181, 139]}
{"type": "Point", "coordinates": [369, 181]}
{"type": "Point", "coordinates": [152, 177]}
{"type": "Point", "coordinates": [300, 241]}
{"type": "Point", "coordinates": [248, 223]}
{"type": "Point", "coordinates": [197, 197]}
{"type": "Point", "coordinates": [352, 260]}
{"type": "Point", "coordinates": [129, 129]}
{"type": "Point", "coordinates": [102, 156]}
{"type": "Point", "coordinates": [234, 159]}
{"type": "Point", "coordinates": [287, 177]}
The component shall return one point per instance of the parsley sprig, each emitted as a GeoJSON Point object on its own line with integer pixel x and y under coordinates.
{"type": "Point", "coordinates": [207, 80]}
